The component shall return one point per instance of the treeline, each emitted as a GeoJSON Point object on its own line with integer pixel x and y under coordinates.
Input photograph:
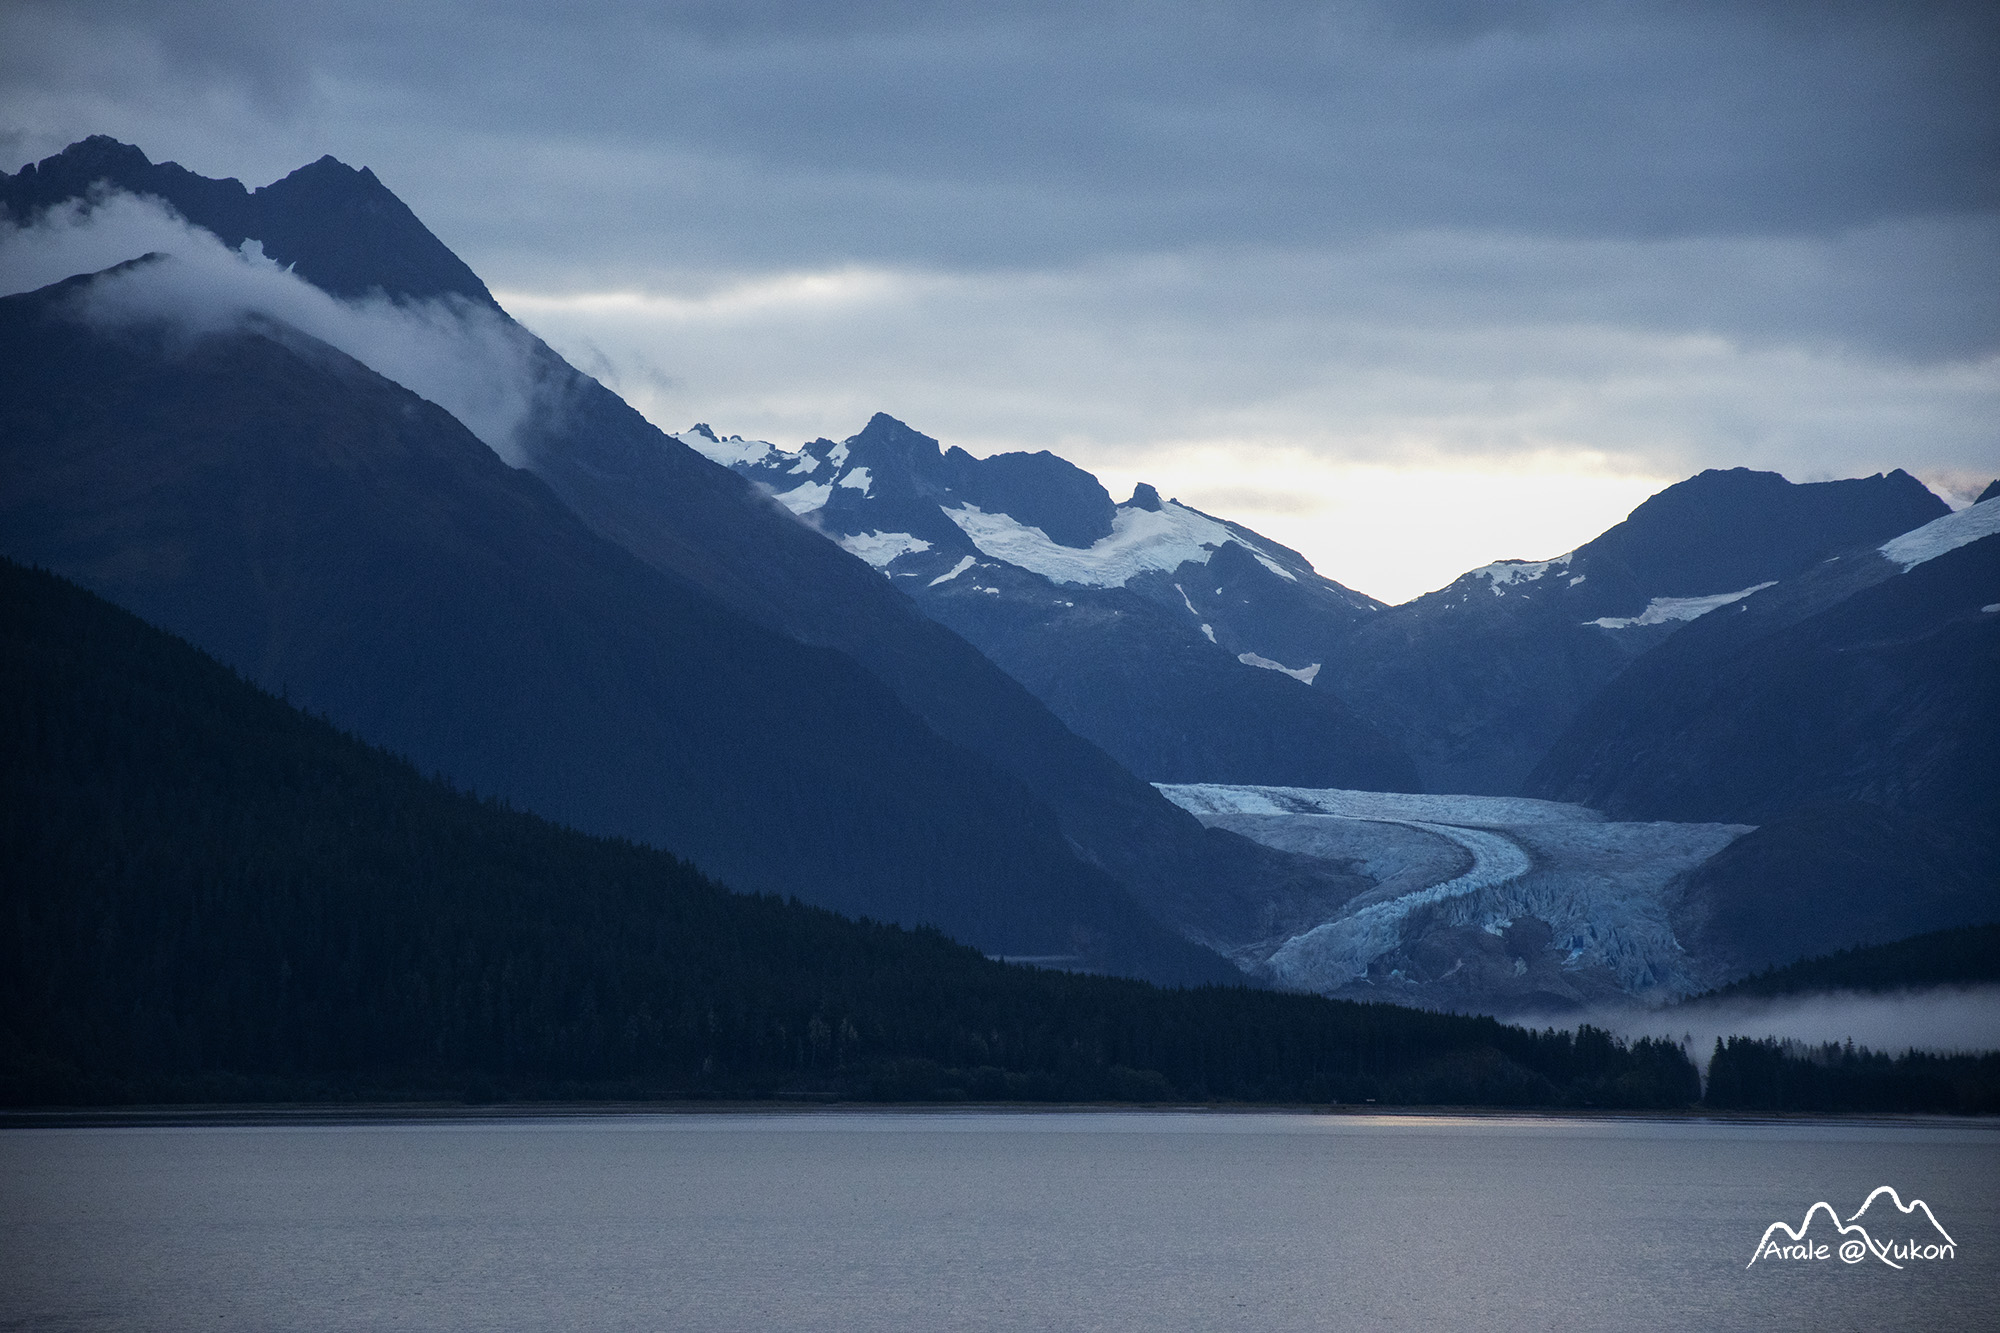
{"type": "Point", "coordinates": [1961, 956]}
{"type": "Point", "coordinates": [1748, 1074]}
{"type": "Point", "coordinates": [209, 896]}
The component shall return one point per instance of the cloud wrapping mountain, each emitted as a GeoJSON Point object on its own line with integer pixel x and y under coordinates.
{"type": "Point", "coordinates": [467, 358]}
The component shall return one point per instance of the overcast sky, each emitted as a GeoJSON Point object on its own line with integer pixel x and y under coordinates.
{"type": "Point", "coordinates": [1407, 286]}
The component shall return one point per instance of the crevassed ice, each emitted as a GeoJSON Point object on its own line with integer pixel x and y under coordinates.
{"type": "Point", "coordinates": [1662, 609]}
{"type": "Point", "coordinates": [1305, 674]}
{"type": "Point", "coordinates": [879, 548]}
{"type": "Point", "coordinates": [1940, 535]}
{"type": "Point", "coordinates": [1140, 540]}
{"type": "Point", "coordinates": [1339, 951]}
{"type": "Point", "coordinates": [1473, 811]}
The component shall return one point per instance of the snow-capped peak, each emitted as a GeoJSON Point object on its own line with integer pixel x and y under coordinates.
{"type": "Point", "coordinates": [1503, 573]}
{"type": "Point", "coordinates": [730, 450]}
{"type": "Point", "coordinates": [1141, 539]}
{"type": "Point", "coordinates": [1940, 535]}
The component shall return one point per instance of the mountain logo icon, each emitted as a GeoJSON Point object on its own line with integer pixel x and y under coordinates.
{"type": "Point", "coordinates": [1901, 1233]}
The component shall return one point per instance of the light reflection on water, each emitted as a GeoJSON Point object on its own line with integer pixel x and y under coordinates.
{"type": "Point", "coordinates": [976, 1220]}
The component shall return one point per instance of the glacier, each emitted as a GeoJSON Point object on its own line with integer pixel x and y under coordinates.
{"type": "Point", "coordinates": [1451, 868]}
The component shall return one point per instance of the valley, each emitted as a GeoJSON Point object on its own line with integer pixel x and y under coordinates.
{"type": "Point", "coordinates": [1544, 907]}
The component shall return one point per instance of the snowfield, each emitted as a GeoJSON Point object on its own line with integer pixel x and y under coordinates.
{"type": "Point", "coordinates": [1505, 572]}
{"type": "Point", "coordinates": [880, 548]}
{"type": "Point", "coordinates": [1661, 610]}
{"type": "Point", "coordinates": [1940, 535]}
{"type": "Point", "coordinates": [1140, 540]}
{"type": "Point", "coordinates": [1449, 866]}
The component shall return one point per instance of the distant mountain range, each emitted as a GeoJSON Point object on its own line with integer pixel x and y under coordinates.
{"type": "Point", "coordinates": [890, 678]}
{"type": "Point", "coordinates": [1182, 644]}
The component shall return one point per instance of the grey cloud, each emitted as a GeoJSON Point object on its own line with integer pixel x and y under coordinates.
{"type": "Point", "coordinates": [461, 357]}
{"type": "Point", "coordinates": [1030, 133]}
{"type": "Point", "coordinates": [1678, 231]}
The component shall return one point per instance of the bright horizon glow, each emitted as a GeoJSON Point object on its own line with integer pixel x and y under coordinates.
{"type": "Point", "coordinates": [1417, 456]}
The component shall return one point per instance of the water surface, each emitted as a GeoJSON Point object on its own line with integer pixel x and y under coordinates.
{"type": "Point", "coordinates": [979, 1220]}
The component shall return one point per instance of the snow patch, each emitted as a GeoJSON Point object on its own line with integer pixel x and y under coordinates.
{"type": "Point", "coordinates": [860, 480]}
{"type": "Point", "coordinates": [879, 548]}
{"type": "Point", "coordinates": [964, 563]}
{"type": "Point", "coordinates": [1503, 573]}
{"type": "Point", "coordinates": [1940, 535]}
{"type": "Point", "coordinates": [1140, 540]}
{"type": "Point", "coordinates": [1663, 609]}
{"type": "Point", "coordinates": [806, 497]}
{"type": "Point", "coordinates": [837, 455]}
{"type": "Point", "coordinates": [1209, 630]}
{"type": "Point", "coordinates": [730, 450]}
{"type": "Point", "coordinates": [1272, 565]}
{"type": "Point", "coordinates": [1304, 674]}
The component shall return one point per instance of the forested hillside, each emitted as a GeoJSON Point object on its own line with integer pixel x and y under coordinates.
{"type": "Point", "coordinates": [211, 896]}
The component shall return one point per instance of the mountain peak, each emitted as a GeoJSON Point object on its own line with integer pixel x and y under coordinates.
{"type": "Point", "coordinates": [98, 155]}
{"type": "Point", "coordinates": [886, 437]}
{"type": "Point", "coordinates": [1722, 530]}
{"type": "Point", "coordinates": [1144, 497]}
{"type": "Point", "coordinates": [339, 227]}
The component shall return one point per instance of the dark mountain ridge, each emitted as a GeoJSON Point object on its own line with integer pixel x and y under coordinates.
{"type": "Point", "coordinates": [1480, 678]}
{"type": "Point", "coordinates": [1851, 713]}
{"type": "Point", "coordinates": [213, 897]}
{"type": "Point", "coordinates": [346, 543]}
{"type": "Point", "coordinates": [340, 229]}
{"type": "Point", "coordinates": [683, 515]}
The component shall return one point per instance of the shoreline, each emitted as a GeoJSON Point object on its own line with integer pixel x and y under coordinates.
{"type": "Point", "coordinates": [329, 1115]}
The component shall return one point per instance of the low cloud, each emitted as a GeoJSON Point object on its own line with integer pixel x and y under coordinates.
{"type": "Point", "coordinates": [1945, 1019]}
{"type": "Point", "coordinates": [464, 358]}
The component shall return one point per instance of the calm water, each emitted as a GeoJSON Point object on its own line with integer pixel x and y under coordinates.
{"type": "Point", "coordinates": [1122, 1220]}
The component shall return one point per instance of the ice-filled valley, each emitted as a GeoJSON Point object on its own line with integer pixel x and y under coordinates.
{"type": "Point", "coordinates": [1495, 904]}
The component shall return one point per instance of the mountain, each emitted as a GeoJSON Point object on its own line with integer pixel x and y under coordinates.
{"type": "Point", "coordinates": [1851, 712]}
{"type": "Point", "coordinates": [685, 516]}
{"type": "Point", "coordinates": [1479, 678]}
{"type": "Point", "coordinates": [1153, 629]}
{"type": "Point", "coordinates": [345, 543]}
{"type": "Point", "coordinates": [1961, 956]}
{"type": "Point", "coordinates": [212, 896]}
{"type": "Point", "coordinates": [340, 229]}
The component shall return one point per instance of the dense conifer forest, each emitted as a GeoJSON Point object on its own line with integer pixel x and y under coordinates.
{"type": "Point", "coordinates": [210, 896]}
{"type": "Point", "coordinates": [1771, 1075]}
